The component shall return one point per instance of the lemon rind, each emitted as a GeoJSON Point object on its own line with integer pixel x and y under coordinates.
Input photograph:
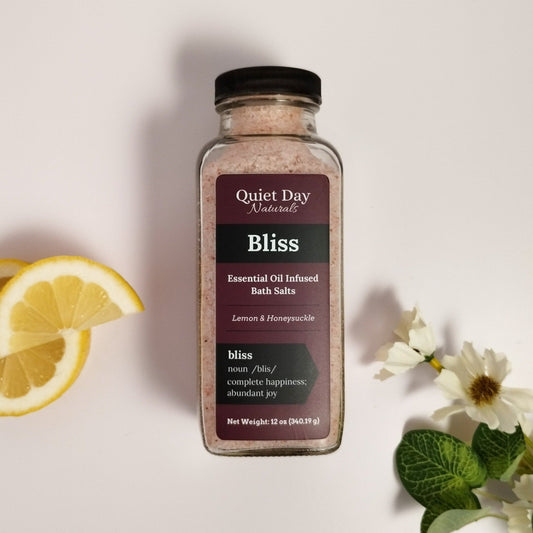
{"type": "Point", "coordinates": [120, 291]}
{"type": "Point", "coordinates": [77, 344]}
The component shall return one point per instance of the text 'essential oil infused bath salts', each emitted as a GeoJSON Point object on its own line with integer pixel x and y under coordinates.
{"type": "Point", "coordinates": [271, 317]}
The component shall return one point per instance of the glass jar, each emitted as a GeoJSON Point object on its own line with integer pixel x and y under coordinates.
{"type": "Point", "coordinates": [270, 270]}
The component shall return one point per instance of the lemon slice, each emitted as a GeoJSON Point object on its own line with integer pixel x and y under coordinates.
{"type": "Point", "coordinates": [8, 268]}
{"type": "Point", "coordinates": [33, 378]}
{"type": "Point", "coordinates": [50, 298]}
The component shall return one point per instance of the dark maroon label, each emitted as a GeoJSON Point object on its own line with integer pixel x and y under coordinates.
{"type": "Point", "coordinates": [272, 306]}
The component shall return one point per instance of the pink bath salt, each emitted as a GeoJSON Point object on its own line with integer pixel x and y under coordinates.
{"type": "Point", "coordinates": [270, 270]}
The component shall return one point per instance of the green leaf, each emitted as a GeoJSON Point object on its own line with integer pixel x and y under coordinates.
{"type": "Point", "coordinates": [466, 500]}
{"type": "Point", "coordinates": [500, 451]}
{"type": "Point", "coordinates": [438, 470]}
{"type": "Point", "coordinates": [455, 519]}
{"type": "Point", "coordinates": [427, 519]}
{"type": "Point", "coordinates": [445, 520]}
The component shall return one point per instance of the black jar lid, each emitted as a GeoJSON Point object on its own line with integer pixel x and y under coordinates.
{"type": "Point", "coordinates": [250, 81]}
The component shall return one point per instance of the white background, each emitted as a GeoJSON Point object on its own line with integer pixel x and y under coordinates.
{"type": "Point", "coordinates": [104, 107]}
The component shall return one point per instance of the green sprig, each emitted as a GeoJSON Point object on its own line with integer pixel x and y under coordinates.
{"type": "Point", "coordinates": [439, 471]}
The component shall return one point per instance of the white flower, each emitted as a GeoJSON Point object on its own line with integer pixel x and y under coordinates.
{"type": "Point", "coordinates": [417, 342]}
{"type": "Point", "coordinates": [476, 382]}
{"type": "Point", "coordinates": [520, 513]}
{"type": "Point", "coordinates": [518, 516]}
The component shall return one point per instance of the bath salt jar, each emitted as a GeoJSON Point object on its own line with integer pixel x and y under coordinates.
{"type": "Point", "coordinates": [270, 270]}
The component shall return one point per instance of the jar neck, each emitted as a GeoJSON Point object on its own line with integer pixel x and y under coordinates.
{"type": "Point", "coordinates": [267, 115]}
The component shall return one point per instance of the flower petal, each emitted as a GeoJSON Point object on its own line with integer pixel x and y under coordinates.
{"type": "Point", "coordinates": [521, 398]}
{"type": "Point", "coordinates": [383, 374]}
{"type": "Point", "coordinates": [423, 340]}
{"type": "Point", "coordinates": [497, 365]}
{"type": "Point", "coordinates": [507, 415]}
{"type": "Point", "coordinates": [383, 352]}
{"type": "Point", "coordinates": [519, 516]}
{"type": "Point", "coordinates": [450, 385]}
{"type": "Point", "coordinates": [402, 358]}
{"type": "Point", "coordinates": [444, 412]}
{"type": "Point", "coordinates": [472, 361]}
{"type": "Point", "coordinates": [455, 364]}
{"type": "Point", "coordinates": [483, 414]}
{"type": "Point", "coordinates": [524, 487]}
{"type": "Point", "coordinates": [406, 323]}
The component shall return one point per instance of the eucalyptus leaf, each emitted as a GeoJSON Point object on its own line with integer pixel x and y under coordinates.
{"type": "Point", "coordinates": [438, 470]}
{"type": "Point", "coordinates": [455, 519]}
{"type": "Point", "coordinates": [500, 451]}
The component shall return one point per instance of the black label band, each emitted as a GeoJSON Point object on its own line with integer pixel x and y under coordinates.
{"type": "Point", "coordinates": [272, 243]}
{"type": "Point", "coordinates": [264, 374]}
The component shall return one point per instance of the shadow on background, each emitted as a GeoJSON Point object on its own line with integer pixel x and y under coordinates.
{"type": "Point", "coordinates": [32, 244]}
{"type": "Point", "coordinates": [374, 324]}
{"type": "Point", "coordinates": [173, 139]}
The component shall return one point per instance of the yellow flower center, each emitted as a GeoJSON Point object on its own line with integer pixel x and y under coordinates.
{"type": "Point", "coordinates": [483, 390]}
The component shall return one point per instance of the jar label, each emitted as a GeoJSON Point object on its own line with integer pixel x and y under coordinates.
{"type": "Point", "coordinates": [272, 307]}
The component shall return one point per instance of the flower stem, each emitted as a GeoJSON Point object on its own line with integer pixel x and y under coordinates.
{"type": "Point", "coordinates": [434, 362]}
